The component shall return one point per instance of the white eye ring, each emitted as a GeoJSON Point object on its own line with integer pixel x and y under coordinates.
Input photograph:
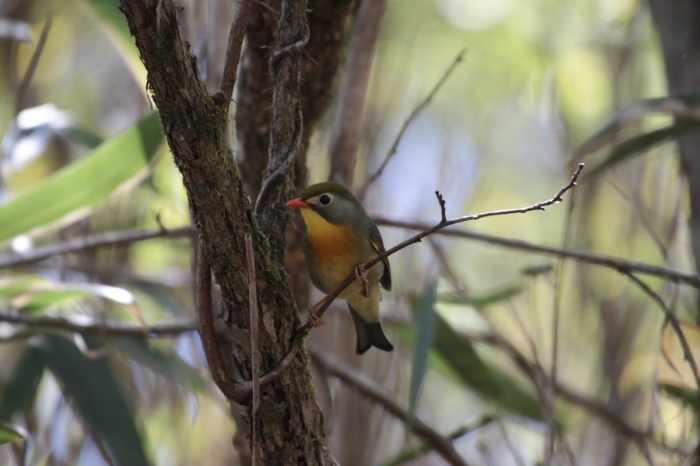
{"type": "Point", "coordinates": [325, 199]}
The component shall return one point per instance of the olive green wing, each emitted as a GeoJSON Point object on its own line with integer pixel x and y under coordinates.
{"type": "Point", "coordinates": [375, 239]}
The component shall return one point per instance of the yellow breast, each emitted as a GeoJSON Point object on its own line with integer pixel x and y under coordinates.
{"type": "Point", "coordinates": [327, 242]}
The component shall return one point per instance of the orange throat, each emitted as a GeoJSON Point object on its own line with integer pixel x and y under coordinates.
{"type": "Point", "coordinates": [327, 242]}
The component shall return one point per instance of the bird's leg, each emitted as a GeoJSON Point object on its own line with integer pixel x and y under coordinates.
{"type": "Point", "coordinates": [314, 319]}
{"type": "Point", "coordinates": [361, 275]}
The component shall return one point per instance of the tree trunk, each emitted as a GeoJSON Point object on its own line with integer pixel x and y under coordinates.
{"type": "Point", "coordinates": [291, 427]}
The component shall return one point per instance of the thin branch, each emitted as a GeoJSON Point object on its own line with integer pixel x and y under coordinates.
{"type": "Point", "coordinates": [536, 374]}
{"type": "Point", "coordinates": [33, 63]}
{"type": "Point", "coordinates": [347, 121]}
{"type": "Point", "coordinates": [254, 354]}
{"type": "Point", "coordinates": [426, 447]}
{"type": "Point", "coordinates": [441, 444]}
{"type": "Point", "coordinates": [675, 324]}
{"type": "Point", "coordinates": [615, 263]}
{"type": "Point", "coordinates": [91, 242]}
{"type": "Point", "coordinates": [87, 324]}
{"type": "Point", "coordinates": [394, 147]}
{"type": "Point", "coordinates": [443, 212]}
{"type": "Point", "coordinates": [233, 51]}
{"type": "Point", "coordinates": [297, 46]}
{"type": "Point", "coordinates": [322, 305]}
{"type": "Point", "coordinates": [207, 332]}
{"type": "Point", "coordinates": [236, 391]}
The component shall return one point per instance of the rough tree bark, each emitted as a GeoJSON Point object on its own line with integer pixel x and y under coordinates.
{"type": "Point", "coordinates": [291, 430]}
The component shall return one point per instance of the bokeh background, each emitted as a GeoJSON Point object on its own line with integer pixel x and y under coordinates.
{"type": "Point", "coordinates": [537, 80]}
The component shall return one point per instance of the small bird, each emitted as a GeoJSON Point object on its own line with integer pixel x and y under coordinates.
{"type": "Point", "coordinates": [338, 237]}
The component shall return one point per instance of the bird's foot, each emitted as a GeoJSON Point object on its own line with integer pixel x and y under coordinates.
{"type": "Point", "coordinates": [314, 319]}
{"type": "Point", "coordinates": [361, 275]}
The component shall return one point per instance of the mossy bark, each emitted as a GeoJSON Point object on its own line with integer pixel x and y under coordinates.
{"type": "Point", "coordinates": [195, 127]}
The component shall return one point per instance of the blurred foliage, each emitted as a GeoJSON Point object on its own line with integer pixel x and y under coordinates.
{"type": "Point", "coordinates": [542, 80]}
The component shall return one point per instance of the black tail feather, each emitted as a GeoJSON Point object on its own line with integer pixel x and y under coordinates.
{"type": "Point", "coordinates": [369, 335]}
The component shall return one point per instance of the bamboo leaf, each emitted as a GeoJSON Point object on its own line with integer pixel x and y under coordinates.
{"type": "Point", "coordinates": [424, 311]}
{"type": "Point", "coordinates": [481, 300]}
{"type": "Point", "coordinates": [682, 106]}
{"type": "Point", "coordinates": [492, 383]}
{"type": "Point", "coordinates": [95, 392]}
{"type": "Point", "coordinates": [688, 397]}
{"type": "Point", "coordinates": [19, 392]}
{"type": "Point", "coordinates": [170, 366]}
{"type": "Point", "coordinates": [643, 142]}
{"type": "Point", "coordinates": [72, 193]}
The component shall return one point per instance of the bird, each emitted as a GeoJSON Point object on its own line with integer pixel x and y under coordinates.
{"type": "Point", "coordinates": [337, 238]}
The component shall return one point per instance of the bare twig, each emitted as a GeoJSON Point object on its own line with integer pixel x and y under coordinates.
{"type": "Point", "coordinates": [441, 444]}
{"type": "Point", "coordinates": [254, 357]}
{"type": "Point", "coordinates": [87, 324]}
{"type": "Point", "coordinates": [33, 63]}
{"type": "Point", "coordinates": [554, 430]}
{"type": "Point", "coordinates": [347, 121]}
{"type": "Point", "coordinates": [236, 391]}
{"type": "Point", "coordinates": [536, 373]}
{"type": "Point", "coordinates": [675, 324]}
{"type": "Point", "coordinates": [615, 263]}
{"type": "Point", "coordinates": [409, 120]}
{"type": "Point", "coordinates": [233, 51]}
{"type": "Point", "coordinates": [91, 242]}
{"type": "Point", "coordinates": [322, 305]}
{"type": "Point", "coordinates": [420, 450]}
{"type": "Point", "coordinates": [207, 332]}
{"type": "Point", "coordinates": [442, 203]}
{"type": "Point", "coordinates": [297, 47]}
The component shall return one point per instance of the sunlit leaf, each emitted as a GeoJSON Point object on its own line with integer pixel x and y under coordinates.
{"type": "Point", "coordinates": [170, 366]}
{"type": "Point", "coordinates": [39, 300]}
{"type": "Point", "coordinates": [92, 387]}
{"type": "Point", "coordinates": [481, 300]}
{"type": "Point", "coordinates": [13, 286]}
{"type": "Point", "coordinates": [424, 312]}
{"type": "Point", "coordinates": [71, 193]}
{"type": "Point", "coordinates": [10, 432]}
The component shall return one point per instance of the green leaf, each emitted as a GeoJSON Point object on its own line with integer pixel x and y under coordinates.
{"type": "Point", "coordinates": [537, 269]}
{"type": "Point", "coordinates": [482, 300]}
{"type": "Point", "coordinates": [170, 366]}
{"type": "Point", "coordinates": [111, 20]}
{"type": "Point", "coordinates": [71, 193]}
{"type": "Point", "coordinates": [493, 384]}
{"type": "Point", "coordinates": [20, 390]}
{"type": "Point", "coordinates": [92, 387]}
{"type": "Point", "coordinates": [688, 397]}
{"type": "Point", "coordinates": [14, 286]}
{"type": "Point", "coordinates": [682, 106]}
{"type": "Point", "coordinates": [49, 298]}
{"type": "Point", "coordinates": [82, 136]}
{"type": "Point", "coordinates": [424, 311]}
{"type": "Point", "coordinates": [11, 432]}
{"type": "Point", "coordinates": [643, 142]}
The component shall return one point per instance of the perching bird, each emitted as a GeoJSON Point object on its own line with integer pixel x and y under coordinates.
{"type": "Point", "coordinates": [337, 238]}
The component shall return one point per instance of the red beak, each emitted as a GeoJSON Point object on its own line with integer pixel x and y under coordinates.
{"type": "Point", "coordinates": [298, 203]}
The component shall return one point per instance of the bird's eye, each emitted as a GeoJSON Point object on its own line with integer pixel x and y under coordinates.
{"type": "Point", "coordinates": [325, 199]}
